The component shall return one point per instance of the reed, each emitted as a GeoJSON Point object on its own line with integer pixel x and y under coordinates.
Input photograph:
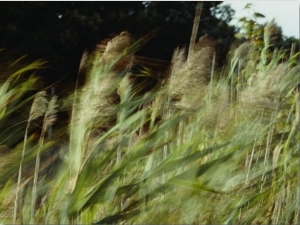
{"type": "Point", "coordinates": [208, 146]}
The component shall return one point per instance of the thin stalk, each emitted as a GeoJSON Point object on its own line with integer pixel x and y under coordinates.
{"type": "Point", "coordinates": [293, 49]}
{"type": "Point", "coordinates": [38, 109]}
{"type": "Point", "coordinates": [49, 119]}
{"type": "Point", "coordinates": [18, 201]}
{"type": "Point", "coordinates": [212, 76]}
{"type": "Point", "coordinates": [195, 29]}
{"type": "Point", "coordinates": [252, 152]}
{"type": "Point", "coordinates": [35, 178]}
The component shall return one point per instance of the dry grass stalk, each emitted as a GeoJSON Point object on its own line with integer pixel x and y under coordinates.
{"type": "Point", "coordinates": [38, 108]}
{"type": "Point", "coordinates": [195, 29]}
{"type": "Point", "coordinates": [49, 119]}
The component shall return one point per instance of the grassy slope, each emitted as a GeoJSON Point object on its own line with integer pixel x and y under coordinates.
{"type": "Point", "coordinates": [200, 149]}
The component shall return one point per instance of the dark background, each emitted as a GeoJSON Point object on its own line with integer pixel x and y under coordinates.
{"type": "Point", "coordinates": [60, 31]}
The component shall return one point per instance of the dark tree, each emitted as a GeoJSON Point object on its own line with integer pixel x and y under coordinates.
{"type": "Point", "coordinates": [60, 31]}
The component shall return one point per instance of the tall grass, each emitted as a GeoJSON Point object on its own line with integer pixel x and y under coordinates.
{"type": "Point", "coordinates": [207, 146]}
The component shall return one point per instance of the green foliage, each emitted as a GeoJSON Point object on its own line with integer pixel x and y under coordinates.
{"type": "Point", "coordinates": [251, 29]}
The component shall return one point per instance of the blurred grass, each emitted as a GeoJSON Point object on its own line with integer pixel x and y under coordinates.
{"type": "Point", "coordinates": [203, 148]}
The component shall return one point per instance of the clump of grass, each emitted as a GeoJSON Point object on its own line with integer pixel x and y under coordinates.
{"type": "Point", "coordinates": [202, 148]}
{"type": "Point", "coordinates": [13, 88]}
{"type": "Point", "coordinates": [95, 108]}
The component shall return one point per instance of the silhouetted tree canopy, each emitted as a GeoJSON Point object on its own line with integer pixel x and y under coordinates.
{"type": "Point", "coordinates": [60, 31]}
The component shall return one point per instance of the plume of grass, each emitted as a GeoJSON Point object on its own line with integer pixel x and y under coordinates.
{"type": "Point", "coordinates": [272, 34]}
{"type": "Point", "coordinates": [38, 109]}
{"type": "Point", "coordinates": [269, 89]}
{"type": "Point", "coordinates": [48, 121]}
{"type": "Point", "coordinates": [189, 79]}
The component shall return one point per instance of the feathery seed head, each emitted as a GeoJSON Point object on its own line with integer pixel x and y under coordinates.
{"type": "Point", "coordinates": [188, 79]}
{"type": "Point", "coordinates": [39, 106]}
{"type": "Point", "coordinates": [272, 33]}
{"type": "Point", "coordinates": [115, 52]}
